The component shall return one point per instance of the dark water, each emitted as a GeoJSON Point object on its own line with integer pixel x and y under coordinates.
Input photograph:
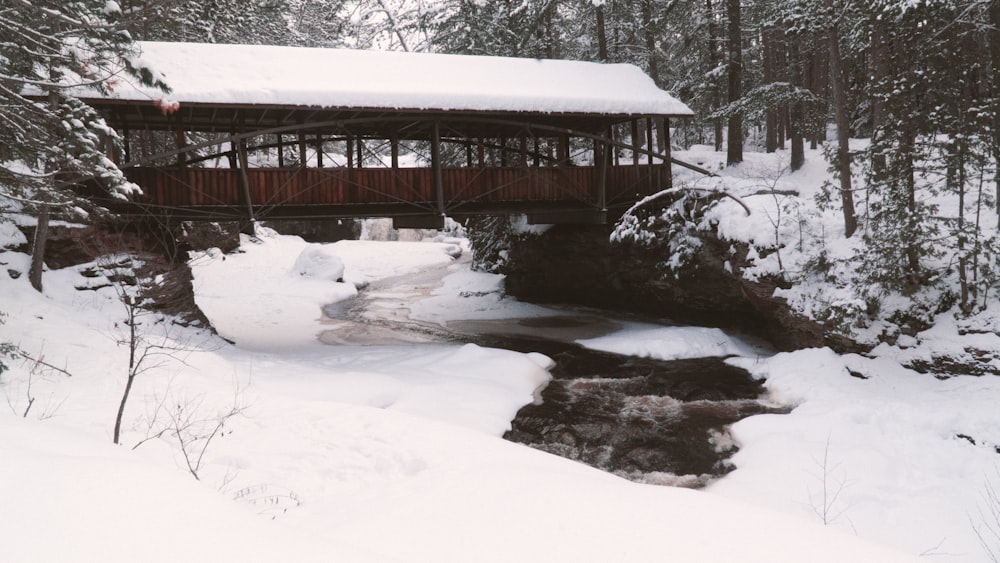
{"type": "Point", "coordinates": [651, 421]}
{"type": "Point", "coordinates": [648, 420]}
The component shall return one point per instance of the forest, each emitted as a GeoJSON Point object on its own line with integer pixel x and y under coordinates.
{"type": "Point", "coordinates": [918, 80]}
{"type": "Point", "coordinates": [312, 401]}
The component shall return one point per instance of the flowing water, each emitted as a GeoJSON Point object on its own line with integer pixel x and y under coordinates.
{"type": "Point", "coordinates": [653, 421]}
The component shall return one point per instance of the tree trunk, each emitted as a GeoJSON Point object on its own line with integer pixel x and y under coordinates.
{"type": "Point", "coordinates": [798, 157]}
{"type": "Point", "coordinates": [912, 251]}
{"type": "Point", "coordinates": [843, 129]}
{"type": "Point", "coordinates": [602, 36]}
{"type": "Point", "coordinates": [650, 38]}
{"type": "Point", "coordinates": [734, 146]}
{"type": "Point", "coordinates": [713, 61]}
{"type": "Point", "coordinates": [131, 309]}
{"type": "Point", "coordinates": [770, 77]}
{"type": "Point", "coordinates": [38, 249]}
{"type": "Point", "coordinates": [880, 58]}
{"type": "Point", "coordinates": [995, 50]}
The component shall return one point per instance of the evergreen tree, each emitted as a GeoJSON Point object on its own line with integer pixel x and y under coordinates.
{"type": "Point", "coordinates": [932, 144]}
{"type": "Point", "coordinates": [49, 139]}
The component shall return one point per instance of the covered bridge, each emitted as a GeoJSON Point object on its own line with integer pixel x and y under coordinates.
{"type": "Point", "coordinates": [265, 132]}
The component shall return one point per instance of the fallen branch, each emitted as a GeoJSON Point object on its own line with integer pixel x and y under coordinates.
{"type": "Point", "coordinates": [41, 362]}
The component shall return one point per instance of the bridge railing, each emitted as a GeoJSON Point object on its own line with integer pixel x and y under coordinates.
{"type": "Point", "coordinates": [223, 187]}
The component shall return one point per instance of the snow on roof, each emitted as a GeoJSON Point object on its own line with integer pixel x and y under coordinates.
{"type": "Point", "coordinates": [297, 76]}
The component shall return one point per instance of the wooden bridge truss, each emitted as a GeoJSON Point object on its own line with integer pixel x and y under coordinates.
{"type": "Point", "coordinates": [479, 163]}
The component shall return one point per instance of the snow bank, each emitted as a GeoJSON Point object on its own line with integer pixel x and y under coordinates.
{"type": "Point", "coordinates": [872, 449]}
{"type": "Point", "coordinates": [69, 497]}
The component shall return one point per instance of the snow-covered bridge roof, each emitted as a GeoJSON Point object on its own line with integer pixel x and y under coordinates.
{"type": "Point", "coordinates": [340, 78]}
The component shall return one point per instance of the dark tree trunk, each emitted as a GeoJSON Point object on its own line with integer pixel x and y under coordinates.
{"type": "Point", "coordinates": [734, 152]}
{"type": "Point", "coordinates": [843, 129]}
{"type": "Point", "coordinates": [995, 50]}
{"type": "Point", "coordinates": [38, 249]}
{"type": "Point", "coordinates": [770, 77]}
{"type": "Point", "coordinates": [880, 68]}
{"type": "Point", "coordinates": [713, 61]}
{"type": "Point", "coordinates": [798, 157]}
{"type": "Point", "coordinates": [602, 36]}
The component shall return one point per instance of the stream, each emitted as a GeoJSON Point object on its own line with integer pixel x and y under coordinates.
{"type": "Point", "coordinates": [651, 421]}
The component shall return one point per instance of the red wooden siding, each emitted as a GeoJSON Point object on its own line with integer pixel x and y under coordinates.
{"type": "Point", "coordinates": [193, 187]}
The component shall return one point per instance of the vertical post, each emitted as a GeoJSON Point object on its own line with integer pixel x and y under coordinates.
{"type": "Point", "coordinates": [564, 149]}
{"type": "Point", "coordinates": [181, 142]}
{"type": "Point", "coordinates": [436, 166]}
{"type": "Point", "coordinates": [319, 150]}
{"type": "Point", "coordinates": [394, 150]}
{"type": "Point", "coordinates": [601, 151]}
{"type": "Point", "coordinates": [349, 149]}
{"type": "Point", "coordinates": [523, 152]}
{"type": "Point", "coordinates": [468, 153]}
{"type": "Point", "coordinates": [281, 150]}
{"type": "Point", "coordinates": [360, 145]}
{"type": "Point", "coordinates": [303, 155]}
{"type": "Point", "coordinates": [610, 149]}
{"type": "Point", "coordinates": [668, 168]}
{"type": "Point", "coordinates": [635, 142]}
{"type": "Point", "coordinates": [231, 153]}
{"type": "Point", "coordinates": [481, 149]}
{"type": "Point", "coordinates": [244, 180]}
{"type": "Point", "coordinates": [649, 153]}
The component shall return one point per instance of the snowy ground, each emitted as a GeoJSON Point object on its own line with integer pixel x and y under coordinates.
{"type": "Point", "coordinates": [392, 453]}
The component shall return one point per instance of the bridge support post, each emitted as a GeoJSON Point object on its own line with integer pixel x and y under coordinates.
{"type": "Point", "coordinates": [668, 179]}
{"type": "Point", "coordinates": [303, 155]}
{"type": "Point", "coordinates": [244, 181]}
{"type": "Point", "coordinates": [436, 167]}
{"type": "Point", "coordinates": [635, 142]}
{"type": "Point", "coordinates": [602, 174]}
{"type": "Point", "coordinates": [651, 152]}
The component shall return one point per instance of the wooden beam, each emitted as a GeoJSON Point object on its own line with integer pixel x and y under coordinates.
{"type": "Point", "coordinates": [303, 153]}
{"type": "Point", "coordinates": [181, 142]}
{"type": "Point", "coordinates": [244, 181]}
{"type": "Point", "coordinates": [649, 151]}
{"type": "Point", "coordinates": [668, 169]}
{"type": "Point", "coordinates": [394, 152]}
{"type": "Point", "coordinates": [635, 142]}
{"type": "Point", "coordinates": [602, 174]}
{"type": "Point", "coordinates": [281, 150]}
{"type": "Point", "coordinates": [319, 150]}
{"type": "Point", "coordinates": [436, 166]}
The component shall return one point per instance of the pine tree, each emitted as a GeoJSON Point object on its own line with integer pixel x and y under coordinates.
{"type": "Point", "coordinates": [49, 139]}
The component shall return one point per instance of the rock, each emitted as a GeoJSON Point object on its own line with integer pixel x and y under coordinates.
{"type": "Point", "coordinates": [574, 264]}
